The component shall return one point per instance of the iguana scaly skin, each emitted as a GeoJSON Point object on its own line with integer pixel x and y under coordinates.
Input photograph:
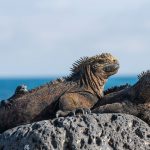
{"type": "Point", "coordinates": [134, 100]}
{"type": "Point", "coordinates": [81, 89]}
{"type": "Point", "coordinates": [116, 89]}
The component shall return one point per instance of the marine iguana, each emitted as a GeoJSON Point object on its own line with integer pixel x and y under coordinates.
{"type": "Point", "coordinates": [134, 100]}
{"type": "Point", "coordinates": [81, 89]}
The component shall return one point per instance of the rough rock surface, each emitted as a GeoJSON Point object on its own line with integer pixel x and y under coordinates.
{"type": "Point", "coordinates": [90, 132]}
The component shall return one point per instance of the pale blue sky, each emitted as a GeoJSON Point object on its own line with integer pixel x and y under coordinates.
{"type": "Point", "coordinates": [44, 38]}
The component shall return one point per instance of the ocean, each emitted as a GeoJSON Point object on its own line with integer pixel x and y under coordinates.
{"type": "Point", "coordinates": [8, 85]}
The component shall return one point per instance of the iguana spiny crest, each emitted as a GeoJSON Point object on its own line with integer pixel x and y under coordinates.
{"type": "Point", "coordinates": [144, 74]}
{"type": "Point", "coordinates": [102, 62]}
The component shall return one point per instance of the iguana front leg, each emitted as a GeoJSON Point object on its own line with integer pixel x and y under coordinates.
{"type": "Point", "coordinates": [77, 111]}
{"type": "Point", "coordinates": [74, 103]}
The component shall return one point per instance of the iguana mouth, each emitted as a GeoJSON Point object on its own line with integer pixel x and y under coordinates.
{"type": "Point", "coordinates": [111, 67]}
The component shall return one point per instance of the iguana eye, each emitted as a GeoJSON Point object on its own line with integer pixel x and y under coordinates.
{"type": "Point", "coordinates": [115, 61]}
{"type": "Point", "coordinates": [96, 65]}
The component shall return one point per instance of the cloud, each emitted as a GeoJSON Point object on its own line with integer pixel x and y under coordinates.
{"type": "Point", "coordinates": [46, 37]}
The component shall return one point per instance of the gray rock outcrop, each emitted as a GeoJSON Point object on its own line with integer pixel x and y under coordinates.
{"type": "Point", "coordinates": [90, 132]}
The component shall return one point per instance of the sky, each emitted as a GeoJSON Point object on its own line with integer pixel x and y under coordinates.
{"type": "Point", "coordinates": [44, 38]}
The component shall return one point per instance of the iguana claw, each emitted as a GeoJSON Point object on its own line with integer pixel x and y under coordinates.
{"type": "Point", "coordinates": [80, 111]}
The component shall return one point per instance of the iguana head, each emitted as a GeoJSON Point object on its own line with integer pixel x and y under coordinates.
{"type": "Point", "coordinates": [92, 72]}
{"type": "Point", "coordinates": [103, 65]}
{"type": "Point", "coordinates": [21, 89]}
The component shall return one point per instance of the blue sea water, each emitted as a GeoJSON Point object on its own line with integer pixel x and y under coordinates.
{"type": "Point", "coordinates": [8, 85]}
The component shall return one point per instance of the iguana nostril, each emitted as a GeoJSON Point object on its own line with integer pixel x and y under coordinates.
{"type": "Point", "coordinates": [116, 66]}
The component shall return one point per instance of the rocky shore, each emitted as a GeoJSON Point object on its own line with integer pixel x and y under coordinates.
{"type": "Point", "coordinates": [114, 131]}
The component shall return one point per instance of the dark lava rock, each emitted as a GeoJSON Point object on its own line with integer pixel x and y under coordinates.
{"type": "Point", "coordinates": [90, 132]}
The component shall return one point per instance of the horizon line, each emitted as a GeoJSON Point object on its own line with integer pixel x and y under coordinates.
{"type": "Point", "coordinates": [55, 76]}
